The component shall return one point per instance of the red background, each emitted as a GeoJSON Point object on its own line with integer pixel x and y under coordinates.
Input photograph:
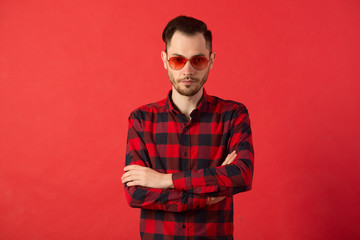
{"type": "Point", "coordinates": [71, 72]}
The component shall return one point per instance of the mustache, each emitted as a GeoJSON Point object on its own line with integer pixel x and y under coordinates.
{"type": "Point", "coordinates": [188, 78]}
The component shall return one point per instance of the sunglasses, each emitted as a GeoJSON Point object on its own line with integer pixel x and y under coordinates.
{"type": "Point", "coordinates": [198, 62]}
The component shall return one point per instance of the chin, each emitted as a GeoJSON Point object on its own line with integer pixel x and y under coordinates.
{"type": "Point", "coordinates": [187, 91]}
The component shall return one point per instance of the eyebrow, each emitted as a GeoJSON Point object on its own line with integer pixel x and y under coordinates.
{"type": "Point", "coordinates": [196, 55]}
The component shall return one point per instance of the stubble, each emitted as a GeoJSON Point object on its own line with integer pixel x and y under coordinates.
{"type": "Point", "coordinates": [188, 90]}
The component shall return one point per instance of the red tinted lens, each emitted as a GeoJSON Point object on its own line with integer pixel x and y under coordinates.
{"type": "Point", "coordinates": [199, 62]}
{"type": "Point", "coordinates": [177, 63]}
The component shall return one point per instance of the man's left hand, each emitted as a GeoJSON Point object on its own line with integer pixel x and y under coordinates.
{"type": "Point", "coordinates": [136, 175]}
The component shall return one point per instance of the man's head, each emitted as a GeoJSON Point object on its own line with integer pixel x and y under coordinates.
{"type": "Point", "coordinates": [188, 55]}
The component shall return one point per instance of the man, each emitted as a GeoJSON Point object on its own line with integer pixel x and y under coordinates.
{"type": "Point", "coordinates": [187, 155]}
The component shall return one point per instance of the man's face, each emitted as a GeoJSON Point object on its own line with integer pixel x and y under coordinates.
{"type": "Point", "coordinates": [188, 80]}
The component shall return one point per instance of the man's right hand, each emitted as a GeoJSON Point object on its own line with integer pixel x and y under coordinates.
{"type": "Point", "coordinates": [229, 159]}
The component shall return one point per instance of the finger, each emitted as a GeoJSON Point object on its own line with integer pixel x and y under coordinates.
{"type": "Point", "coordinates": [133, 183]}
{"type": "Point", "coordinates": [226, 160]}
{"type": "Point", "coordinates": [232, 158]}
{"type": "Point", "coordinates": [229, 158]}
{"type": "Point", "coordinates": [130, 167]}
{"type": "Point", "coordinates": [132, 180]}
{"type": "Point", "coordinates": [125, 174]}
{"type": "Point", "coordinates": [130, 177]}
{"type": "Point", "coordinates": [129, 173]}
{"type": "Point", "coordinates": [133, 167]}
{"type": "Point", "coordinates": [127, 179]}
{"type": "Point", "coordinates": [133, 172]}
{"type": "Point", "coordinates": [219, 199]}
{"type": "Point", "coordinates": [210, 200]}
{"type": "Point", "coordinates": [214, 200]}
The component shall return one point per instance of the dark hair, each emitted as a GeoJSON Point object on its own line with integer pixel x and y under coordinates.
{"type": "Point", "coordinates": [187, 25]}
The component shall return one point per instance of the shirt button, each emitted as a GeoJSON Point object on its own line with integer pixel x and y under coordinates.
{"type": "Point", "coordinates": [184, 226]}
{"type": "Point", "coordinates": [185, 129]}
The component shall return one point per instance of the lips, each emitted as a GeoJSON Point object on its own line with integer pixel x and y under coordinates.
{"type": "Point", "coordinates": [188, 80]}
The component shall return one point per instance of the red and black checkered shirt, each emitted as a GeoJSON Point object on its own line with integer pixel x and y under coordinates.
{"type": "Point", "coordinates": [163, 139]}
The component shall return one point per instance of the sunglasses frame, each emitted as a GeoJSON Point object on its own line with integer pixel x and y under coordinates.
{"type": "Point", "coordinates": [187, 60]}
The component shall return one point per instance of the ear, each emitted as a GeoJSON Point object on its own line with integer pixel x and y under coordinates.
{"type": "Point", "coordinates": [212, 59]}
{"type": "Point", "coordinates": [164, 58]}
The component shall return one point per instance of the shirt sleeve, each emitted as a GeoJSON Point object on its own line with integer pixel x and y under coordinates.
{"type": "Point", "coordinates": [229, 179]}
{"type": "Point", "coordinates": [173, 200]}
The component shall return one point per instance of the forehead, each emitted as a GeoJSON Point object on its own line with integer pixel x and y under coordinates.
{"type": "Point", "coordinates": [187, 45]}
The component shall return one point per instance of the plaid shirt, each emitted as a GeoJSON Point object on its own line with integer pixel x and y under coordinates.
{"type": "Point", "coordinates": [163, 139]}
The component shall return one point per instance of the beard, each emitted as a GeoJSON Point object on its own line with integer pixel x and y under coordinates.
{"type": "Point", "coordinates": [188, 90]}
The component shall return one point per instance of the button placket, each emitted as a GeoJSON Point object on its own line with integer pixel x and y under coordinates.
{"type": "Point", "coordinates": [187, 146]}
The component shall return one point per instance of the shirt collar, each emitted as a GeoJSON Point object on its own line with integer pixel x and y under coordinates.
{"type": "Point", "coordinates": [202, 103]}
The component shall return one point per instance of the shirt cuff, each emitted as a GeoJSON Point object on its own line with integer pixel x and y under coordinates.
{"type": "Point", "coordinates": [182, 180]}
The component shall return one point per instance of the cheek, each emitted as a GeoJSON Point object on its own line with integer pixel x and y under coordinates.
{"type": "Point", "coordinates": [204, 76]}
{"type": "Point", "coordinates": [172, 74]}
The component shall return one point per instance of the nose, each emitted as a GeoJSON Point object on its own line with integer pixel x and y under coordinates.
{"type": "Point", "coordinates": [188, 69]}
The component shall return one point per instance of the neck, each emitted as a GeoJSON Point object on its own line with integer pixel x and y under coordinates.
{"type": "Point", "coordinates": [186, 104]}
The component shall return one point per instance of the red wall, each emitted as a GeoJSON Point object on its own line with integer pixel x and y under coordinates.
{"type": "Point", "coordinates": [71, 71]}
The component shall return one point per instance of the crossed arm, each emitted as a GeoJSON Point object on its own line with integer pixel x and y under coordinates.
{"type": "Point", "coordinates": [188, 190]}
{"type": "Point", "coordinates": [136, 175]}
